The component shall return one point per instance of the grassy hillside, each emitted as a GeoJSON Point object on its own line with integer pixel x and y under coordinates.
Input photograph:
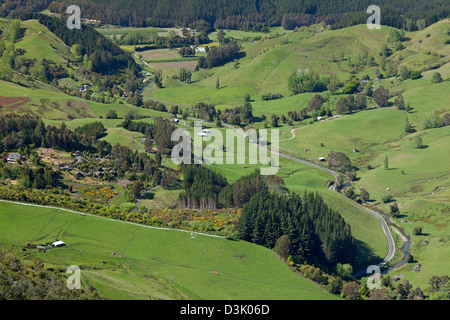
{"type": "Point", "coordinates": [269, 63]}
{"type": "Point", "coordinates": [371, 243]}
{"type": "Point", "coordinates": [39, 43]}
{"type": "Point", "coordinates": [418, 178]}
{"type": "Point", "coordinates": [151, 263]}
{"type": "Point", "coordinates": [181, 267]}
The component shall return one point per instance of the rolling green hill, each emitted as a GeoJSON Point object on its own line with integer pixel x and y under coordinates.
{"type": "Point", "coordinates": [170, 264]}
{"type": "Point", "coordinates": [150, 263]}
{"type": "Point", "coordinates": [417, 179]}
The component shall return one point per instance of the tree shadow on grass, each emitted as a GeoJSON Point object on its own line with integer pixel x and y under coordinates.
{"type": "Point", "coordinates": [364, 257]}
{"type": "Point", "coordinates": [148, 196]}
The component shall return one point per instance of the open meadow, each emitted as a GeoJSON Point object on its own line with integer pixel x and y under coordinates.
{"type": "Point", "coordinates": [126, 261]}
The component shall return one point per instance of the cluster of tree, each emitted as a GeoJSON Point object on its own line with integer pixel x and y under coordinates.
{"type": "Point", "coordinates": [162, 133]}
{"type": "Point", "coordinates": [201, 187]}
{"type": "Point", "coordinates": [205, 111]}
{"type": "Point", "coordinates": [233, 116]}
{"type": "Point", "coordinates": [251, 22]}
{"type": "Point", "coordinates": [410, 16]}
{"type": "Point", "coordinates": [128, 160]}
{"type": "Point", "coordinates": [22, 281]}
{"type": "Point", "coordinates": [240, 192]}
{"type": "Point", "coordinates": [137, 126]}
{"type": "Point", "coordinates": [298, 115]}
{"type": "Point", "coordinates": [271, 96]}
{"type": "Point", "coordinates": [154, 105]}
{"type": "Point", "coordinates": [186, 51]}
{"type": "Point", "coordinates": [316, 232]}
{"type": "Point", "coordinates": [434, 121]}
{"type": "Point", "coordinates": [185, 75]}
{"type": "Point", "coordinates": [206, 189]}
{"type": "Point", "coordinates": [19, 132]}
{"type": "Point", "coordinates": [244, 15]}
{"type": "Point", "coordinates": [307, 81]}
{"type": "Point", "coordinates": [95, 129]}
{"type": "Point", "coordinates": [381, 97]}
{"type": "Point", "coordinates": [393, 289]}
{"type": "Point", "coordinates": [171, 41]}
{"type": "Point", "coordinates": [351, 103]}
{"type": "Point", "coordinates": [339, 161]}
{"type": "Point", "coordinates": [237, 115]}
{"type": "Point", "coordinates": [218, 56]}
{"type": "Point", "coordinates": [16, 8]}
{"type": "Point", "coordinates": [291, 21]}
{"type": "Point", "coordinates": [159, 132]}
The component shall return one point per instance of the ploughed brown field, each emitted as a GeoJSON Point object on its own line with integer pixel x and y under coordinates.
{"type": "Point", "coordinates": [13, 102]}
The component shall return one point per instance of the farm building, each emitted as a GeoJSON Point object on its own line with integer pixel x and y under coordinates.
{"type": "Point", "coordinates": [98, 174]}
{"type": "Point", "coordinates": [322, 159]}
{"type": "Point", "coordinates": [79, 174]}
{"type": "Point", "coordinates": [12, 157]}
{"type": "Point", "coordinates": [83, 88]}
{"type": "Point", "coordinates": [57, 244]}
{"type": "Point", "coordinates": [200, 49]}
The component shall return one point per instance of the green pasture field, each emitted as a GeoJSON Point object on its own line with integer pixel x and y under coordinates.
{"type": "Point", "coordinates": [51, 104]}
{"type": "Point", "coordinates": [124, 138]}
{"type": "Point", "coordinates": [149, 263]}
{"type": "Point", "coordinates": [240, 35]}
{"type": "Point", "coordinates": [269, 63]}
{"type": "Point", "coordinates": [371, 242]}
{"type": "Point", "coordinates": [38, 43]}
{"type": "Point", "coordinates": [120, 31]}
{"type": "Point", "coordinates": [417, 178]}
{"type": "Point", "coordinates": [160, 198]}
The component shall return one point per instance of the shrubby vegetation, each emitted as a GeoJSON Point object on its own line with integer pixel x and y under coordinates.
{"type": "Point", "coordinates": [433, 121]}
{"type": "Point", "coordinates": [26, 132]}
{"type": "Point", "coordinates": [237, 115]}
{"type": "Point", "coordinates": [22, 281]}
{"type": "Point", "coordinates": [305, 81]}
{"type": "Point", "coordinates": [218, 56]}
{"type": "Point", "coordinates": [185, 218]}
{"type": "Point", "coordinates": [95, 129]}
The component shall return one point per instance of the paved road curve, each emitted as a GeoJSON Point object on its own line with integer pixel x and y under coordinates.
{"type": "Point", "coordinates": [386, 230]}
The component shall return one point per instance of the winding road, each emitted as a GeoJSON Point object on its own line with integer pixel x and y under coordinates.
{"type": "Point", "coordinates": [384, 225]}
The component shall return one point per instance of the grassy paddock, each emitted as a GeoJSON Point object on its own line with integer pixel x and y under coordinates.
{"type": "Point", "coordinates": [148, 260]}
